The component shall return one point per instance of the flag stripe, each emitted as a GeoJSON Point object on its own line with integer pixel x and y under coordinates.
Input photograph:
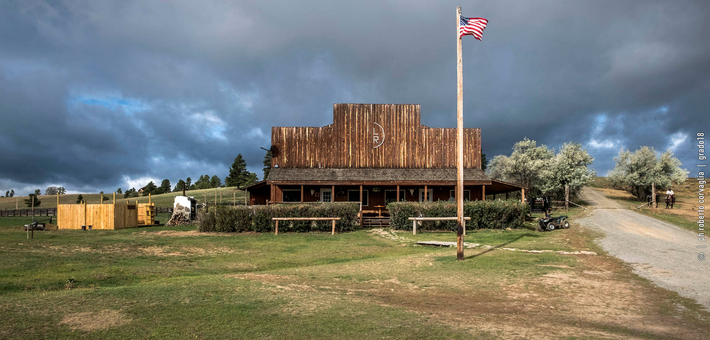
{"type": "Point", "coordinates": [472, 26]}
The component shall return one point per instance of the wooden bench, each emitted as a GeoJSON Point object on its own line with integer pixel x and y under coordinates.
{"type": "Point", "coordinates": [277, 219]}
{"type": "Point", "coordinates": [416, 219]}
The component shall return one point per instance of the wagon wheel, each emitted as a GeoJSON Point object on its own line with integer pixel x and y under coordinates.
{"type": "Point", "coordinates": [550, 226]}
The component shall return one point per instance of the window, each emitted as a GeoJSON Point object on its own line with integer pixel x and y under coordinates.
{"type": "Point", "coordinates": [430, 195]}
{"type": "Point", "coordinates": [466, 195]}
{"type": "Point", "coordinates": [326, 195]}
{"type": "Point", "coordinates": [291, 195]}
{"type": "Point", "coordinates": [391, 196]}
{"type": "Point", "coordinates": [354, 196]}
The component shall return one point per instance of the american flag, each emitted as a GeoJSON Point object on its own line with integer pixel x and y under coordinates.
{"type": "Point", "coordinates": [472, 26]}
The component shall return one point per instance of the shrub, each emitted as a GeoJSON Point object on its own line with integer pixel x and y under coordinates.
{"type": "Point", "coordinates": [259, 218]}
{"type": "Point", "coordinates": [484, 214]}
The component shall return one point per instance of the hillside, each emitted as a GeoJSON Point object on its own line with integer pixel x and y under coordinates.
{"type": "Point", "coordinates": [165, 200]}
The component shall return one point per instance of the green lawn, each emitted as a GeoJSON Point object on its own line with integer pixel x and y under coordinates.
{"type": "Point", "coordinates": [162, 282]}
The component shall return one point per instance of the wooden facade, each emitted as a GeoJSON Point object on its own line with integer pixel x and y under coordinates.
{"type": "Point", "coordinates": [376, 149]}
{"type": "Point", "coordinates": [351, 141]}
{"type": "Point", "coordinates": [99, 216]}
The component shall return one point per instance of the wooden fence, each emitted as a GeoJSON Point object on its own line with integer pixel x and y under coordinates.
{"type": "Point", "coordinates": [28, 212]}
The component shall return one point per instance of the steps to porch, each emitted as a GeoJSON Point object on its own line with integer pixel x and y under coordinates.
{"type": "Point", "coordinates": [375, 222]}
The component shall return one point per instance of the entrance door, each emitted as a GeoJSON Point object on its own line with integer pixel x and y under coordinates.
{"type": "Point", "coordinates": [326, 195]}
{"type": "Point", "coordinates": [430, 195]}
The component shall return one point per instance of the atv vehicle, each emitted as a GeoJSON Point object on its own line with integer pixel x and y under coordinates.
{"type": "Point", "coordinates": [549, 223]}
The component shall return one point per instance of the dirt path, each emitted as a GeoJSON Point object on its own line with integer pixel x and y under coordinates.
{"type": "Point", "coordinates": [658, 251]}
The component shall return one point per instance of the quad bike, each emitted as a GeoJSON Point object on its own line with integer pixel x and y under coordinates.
{"type": "Point", "coordinates": [549, 223]}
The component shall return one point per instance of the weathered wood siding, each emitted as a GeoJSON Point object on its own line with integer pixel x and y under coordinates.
{"type": "Point", "coordinates": [349, 141]}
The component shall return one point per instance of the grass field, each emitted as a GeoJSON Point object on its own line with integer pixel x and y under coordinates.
{"type": "Point", "coordinates": [162, 282]}
{"type": "Point", "coordinates": [164, 200]}
{"type": "Point", "coordinates": [684, 213]}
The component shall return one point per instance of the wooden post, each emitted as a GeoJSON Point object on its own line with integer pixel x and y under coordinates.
{"type": "Point", "coordinates": [522, 195]}
{"type": "Point", "coordinates": [459, 141]}
{"type": "Point", "coordinates": [332, 194]}
{"type": "Point", "coordinates": [464, 227]}
{"type": "Point", "coordinates": [653, 194]}
{"type": "Point", "coordinates": [414, 227]}
{"type": "Point", "coordinates": [360, 206]}
{"type": "Point", "coordinates": [245, 197]}
{"type": "Point", "coordinates": [398, 193]}
{"type": "Point", "coordinates": [483, 189]}
{"type": "Point", "coordinates": [114, 197]}
{"type": "Point", "coordinates": [566, 197]}
{"type": "Point", "coordinates": [276, 230]}
{"type": "Point", "coordinates": [301, 194]}
{"type": "Point", "coordinates": [234, 199]}
{"type": "Point", "coordinates": [426, 193]}
{"type": "Point", "coordinates": [333, 233]}
{"type": "Point", "coordinates": [101, 199]}
{"type": "Point", "coordinates": [33, 206]}
{"type": "Point", "coordinates": [150, 200]}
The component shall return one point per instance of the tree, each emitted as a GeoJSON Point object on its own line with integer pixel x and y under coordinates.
{"type": "Point", "coordinates": [7, 193]}
{"type": "Point", "coordinates": [203, 182]}
{"type": "Point", "coordinates": [165, 186]}
{"type": "Point", "coordinates": [267, 163]}
{"type": "Point", "coordinates": [31, 198]}
{"type": "Point", "coordinates": [51, 191]}
{"type": "Point", "coordinates": [38, 192]}
{"type": "Point", "coordinates": [79, 198]}
{"type": "Point", "coordinates": [524, 166]}
{"type": "Point", "coordinates": [484, 162]}
{"type": "Point", "coordinates": [570, 167]}
{"type": "Point", "coordinates": [149, 188]}
{"type": "Point", "coordinates": [62, 191]}
{"type": "Point", "coordinates": [130, 193]}
{"type": "Point", "coordinates": [215, 182]}
{"type": "Point", "coordinates": [238, 175]}
{"type": "Point", "coordinates": [636, 171]}
{"type": "Point", "coordinates": [180, 184]}
{"type": "Point", "coordinates": [119, 191]}
{"type": "Point", "coordinates": [12, 192]}
{"type": "Point", "coordinates": [188, 182]}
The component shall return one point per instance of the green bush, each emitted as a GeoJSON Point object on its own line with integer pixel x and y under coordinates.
{"type": "Point", "coordinates": [484, 214]}
{"type": "Point", "coordinates": [260, 218]}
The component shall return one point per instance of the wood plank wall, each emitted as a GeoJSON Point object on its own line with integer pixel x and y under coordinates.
{"type": "Point", "coordinates": [348, 142]}
{"type": "Point", "coordinates": [99, 216]}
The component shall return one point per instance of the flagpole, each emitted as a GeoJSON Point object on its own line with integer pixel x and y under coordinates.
{"type": "Point", "coordinates": [459, 141]}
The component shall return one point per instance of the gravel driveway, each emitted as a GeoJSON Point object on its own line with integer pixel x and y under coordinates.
{"type": "Point", "coordinates": [658, 251]}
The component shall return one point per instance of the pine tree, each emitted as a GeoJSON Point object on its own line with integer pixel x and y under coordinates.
{"type": "Point", "coordinates": [79, 198]}
{"type": "Point", "coordinates": [238, 174]}
{"type": "Point", "coordinates": [119, 191]}
{"type": "Point", "coordinates": [149, 188]}
{"type": "Point", "coordinates": [33, 197]}
{"type": "Point", "coordinates": [267, 163]}
{"type": "Point", "coordinates": [12, 192]}
{"type": "Point", "coordinates": [215, 182]}
{"type": "Point", "coordinates": [180, 184]}
{"type": "Point", "coordinates": [164, 186]}
{"type": "Point", "coordinates": [188, 183]}
{"type": "Point", "coordinates": [7, 193]}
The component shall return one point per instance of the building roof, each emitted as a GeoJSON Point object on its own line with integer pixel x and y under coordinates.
{"type": "Point", "coordinates": [373, 175]}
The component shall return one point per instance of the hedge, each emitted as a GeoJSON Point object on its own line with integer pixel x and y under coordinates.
{"type": "Point", "coordinates": [494, 214]}
{"type": "Point", "coordinates": [259, 218]}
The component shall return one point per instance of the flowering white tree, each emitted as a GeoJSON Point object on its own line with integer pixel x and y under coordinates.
{"type": "Point", "coordinates": [636, 171]}
{"type": "Point", "coordinates": [543, 172]}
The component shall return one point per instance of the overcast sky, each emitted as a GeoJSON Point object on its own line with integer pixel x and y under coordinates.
{"type": "Point", "coordinates": [96, 95]}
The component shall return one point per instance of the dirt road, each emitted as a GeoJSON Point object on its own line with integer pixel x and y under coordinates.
{"type": "Point", "coordinates": [658, 251]}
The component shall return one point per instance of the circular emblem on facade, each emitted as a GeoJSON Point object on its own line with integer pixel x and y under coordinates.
{"type": "Point", "coordinates": [378, 135]}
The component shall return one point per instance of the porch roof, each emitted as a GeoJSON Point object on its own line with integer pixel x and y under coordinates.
{"type": "Point", "coordinates": [379, 175]}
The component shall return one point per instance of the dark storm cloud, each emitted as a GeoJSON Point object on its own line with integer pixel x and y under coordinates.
{"type": "Point", "coordinates": [97, 94]}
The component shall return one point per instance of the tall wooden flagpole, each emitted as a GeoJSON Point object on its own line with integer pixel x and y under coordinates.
{"type": "Point", "coordinates": [459, 141]}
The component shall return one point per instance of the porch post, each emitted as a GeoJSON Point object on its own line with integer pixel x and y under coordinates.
{"type": "Point", "coordinates": [332, 194]}
{"type": "Point", "coordinates": [360, 214]}
{"type": "Point", "coordinates": [522, 195]}
{"type": "Point", "coordinates": [301, 194]}
{"type": "Point", "coordinates": [483, 188]}
{"type": "Point", "coordinates": [398, 193]}
{"type": "Point", "coordinates": [426, 191]}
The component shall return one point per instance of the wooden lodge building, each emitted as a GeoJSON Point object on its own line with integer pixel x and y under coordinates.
{"type": "Point", "coordinates": [373, 154]}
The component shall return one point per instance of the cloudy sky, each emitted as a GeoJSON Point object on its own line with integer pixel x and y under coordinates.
{"type": "Point", "coordinates": [96, 95]}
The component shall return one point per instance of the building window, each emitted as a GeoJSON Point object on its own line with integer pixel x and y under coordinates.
{"type": "Point", "coordinates": [326, 195]}
{"type": "Point", "coordinates": [430, 195]}
{"type": "Point", "coordinates": [466, 195]}
{"type": "Point", "coordinates": [291, 195]}
{"type": "Point", "coordinates": [354, 196]}
{"type": "Point", "coordinates": [391, 196]}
